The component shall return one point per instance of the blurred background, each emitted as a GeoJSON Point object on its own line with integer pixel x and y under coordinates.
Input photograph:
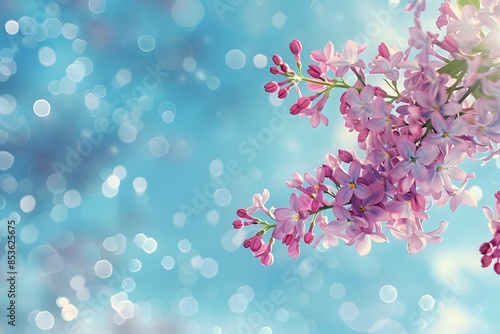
{"type": "Point", "coordinates": [131, 132]}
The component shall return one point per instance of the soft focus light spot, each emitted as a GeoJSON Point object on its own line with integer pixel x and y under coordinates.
{"type": "Point", "coordinates": [274, 100]}
{"type": "Point", "coordinates": [477, 192]}
{"type": "Point", "coordinates": [113, 181]}
{"type": "Point", "coordinates": [426, 302]}
{"type": "Point", "coordinates": [348, 311]}
{"type": "Point", "coordinates": [79, 45]}
{"type": "Point", "coordinates": [388, 294]}
{"type": "Point", "coordinates": [235, 59]}
{"type": "Point", "coordinates": [168, 262]}
{"type": "Point", "coordinates": [184, 245]}
{"type": "Point", "coordinates": [47, 56]}
{"type": "Point", "coordinates": [158, 146]}
{"type": "Point", "coordinates": [103, 269]}
{"type": "Point", "coordinates": [72, 199]}
{"type": "Point", "coordinates": [246, 292]}
{"type": "Point", "coordinates": [123, 77]}
{"type": "Point", "coordinates": [59, 213]}
{"type": "Point", "coordinates": [75, 72]}
{"type": "Point", "coordinates": [41, 108]}
{"type": "Point", "coordinates": [187, 13]}
{"type": "Point", "coordinates": [6, 160]}
{"type": "Point", "coordinates": [140, 184]}
{"type": "Point", "coordinates": [216, 167]}
{"type": "Point", "coordinates": [146, 43]}
{"type": "Point", "coordinates": [213, 82]}
{"type": "Point", "coordinates": [213, 217]}
{"type": "Point", "coordinates": [2, 202]}
{"type": "Point", "coordinates": [394, 3]}
{"type": "Point", "coordinates": [77, 282]}
{"type": "Point", "coordinates": [337, 290]}
{"type": "Point", "coordinates": [282, 314]}
{"type": "Point", "coordinates": [29, 233]}
{"type": "Point", "coordinates": [260, 60]}
{"type": "Point", "coordinates": [167, 111]}
{"type": "Point", "coordinates": [7, 104]}
{"type": "Point", "coordinates": [128, 284]}
{"type": "Point", "coordinates": [27, 203]}
{"type": "Point", "coordinates": [134, 265]}
{"type": "Point", "coordinates": [189, 64]}
{"type": "Point", "coordinates": [237, 303]}
{"type": "Point", "coordinates": [150, 245]}
{"type": "Point", "coordinates": [44, 320]}
{"type": "Point", "coordinates": [278, 20]}
{"type": "Point", "coordinates": [120, 171]}
{"type": "Point", "coordinates": [140, 239]}
{"type": "Point", "coordinates": [179, 219]}
{"type": "Point", "coordinates": [56, 183]}
{"type": "Point", "coordinates": [97, 6]}
{"type": "Point", "coordinates": [208, 268]}
{"type": "Point", "coordinates": [265, 330]}
{"type": "Point", "coordinates": [11, 27]}
{"type": "Point", "coordinates": [127, 133]}
{"type": "Point", "coordinates": [70, 30]}
{"type": "Point", "coordinates": [110, 244]}
{"type": "Point", "coordinates": [222, 197]}
{"type": "Point", "coordinates": [62, 301]}
{"type": "Point", "coordinates": [188, 306]}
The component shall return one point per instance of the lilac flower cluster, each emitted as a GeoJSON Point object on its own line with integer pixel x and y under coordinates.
{"type": "Point", "coordinates": [440, 106]}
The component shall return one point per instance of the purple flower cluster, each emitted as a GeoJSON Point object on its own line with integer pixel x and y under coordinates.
{"type": "Point", "coordinates": [440, 105]}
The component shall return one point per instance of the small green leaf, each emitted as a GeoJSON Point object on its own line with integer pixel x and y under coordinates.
{"type": "Point", "coordinates": [462, 3]}
{"type": "Point", "coordinates": [454, 67]}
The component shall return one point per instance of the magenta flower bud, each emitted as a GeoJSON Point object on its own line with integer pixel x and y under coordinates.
{"type": "Point", "coordinates": [314, 71]}
{"type": "Point", "coordinates": [271, 87]}
{"type": "Point", "coordinates": [242, 213]}
{"type": "Point", "coordinates": [383, 50]}
{"type": "Point", "coordinates": [309, 237]}
{"type": "Point", "coordinates": [267, 259]}
{"type": "Point", "coordinates": [497, 268]}
{"type": "Point", "coordinates": [237, 224]}
{"type": "Point", "coordinates": [328, 170]}
{"type": "Point", "coordinates": [486, 261]}
{"type": "Point", "coordinates": [256, 243]}
{"type": "Point", "coordinates": [283, 93]}
{"type": "Point", "coordinates": [287, 240]}
{"type": "Point", "coordinates": [345, 156]}
{"type": "Point", "coordinates": [294, 109]}
{"type": "Point", "coordinates": [285, 68]}
{"type": "Point", "coordinates": [295, 47]}
{"type": "Point", "coordinates": [274, 70]}
{"type": "Point", "coordinates": [484, 248]}
{"type": "Point", "coordinates": [247, 242]}
{"type": "Point", "coordinates": [277, 60]}
{"type": "Point", "coordinates": [303, 102]}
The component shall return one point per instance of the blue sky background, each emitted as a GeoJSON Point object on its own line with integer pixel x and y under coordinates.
{"type": "Point", "coordinates": [170, 94]}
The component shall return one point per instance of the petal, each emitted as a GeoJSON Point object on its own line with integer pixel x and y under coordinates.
{"type": "Point", "coordinates": [343, 195]}
{"type": "Point", "coordinates": [342, 177]}
{"type": "Point", "coordinates": [363, 246]}
{"type": "Point", "coordinates": [361, 191]}
{"type": "Point", "coordinates": [406, 147]}
{"type": "Point", "coordinates": [419, 171]}
{"type": "Point", "coordinates": [329, 50]}
{"type": "Point", "coordinates": [318, 56]}
{"type": "Point", "coordinates": [427, 154]}
{"type": "Point", "coordinates": [354, 169]}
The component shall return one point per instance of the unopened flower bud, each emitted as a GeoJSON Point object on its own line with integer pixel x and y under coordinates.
{"type": "Point", "coordinates": [486, 261]}
{"type": "Point", "coordinates": [484, 248]}
{"type": "Point", "coordinates": [309, 237]}
{"type": "Point", "coordinates": [237, 224]}
{"type": "Point", "coordinates": [295, 47]}
{"type": "Point", "coordinates": [304, 102]}
{"type": "Point", "coordinates": [345, 156]}
{"type": "Point", "coordinates": [283, 93]}
{"type": "Point", "coordinates": [271, 87]}
{"type": "Point", "coordinates": [497, 268]}
{"type": "Point", "coordinates": [277, 60]}
{"type": "Point", "coordinates": [314, 71]}
{"type": "Point", "coordinates": [274, 70]}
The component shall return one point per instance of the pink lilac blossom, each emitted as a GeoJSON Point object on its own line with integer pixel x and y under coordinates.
{"type": "Point", "coordinates": [439, 105]}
